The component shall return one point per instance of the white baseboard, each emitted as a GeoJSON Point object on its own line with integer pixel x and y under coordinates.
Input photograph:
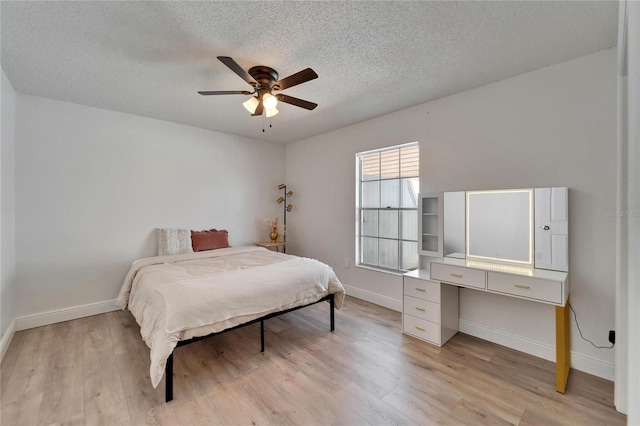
{"type": "Point", "coordinates": [66, 314]}
{"type": "Point", "coordinates": [579, 361]}
{"type": "Point", "coordinates": [7, 338]}
{"type": "Point", "coordinates": [375, 298]}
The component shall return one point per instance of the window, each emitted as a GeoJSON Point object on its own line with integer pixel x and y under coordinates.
{"type": "Point", "coordinates": [387, 207]}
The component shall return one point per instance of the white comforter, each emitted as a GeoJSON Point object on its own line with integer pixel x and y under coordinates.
{"type": "Point", "coordinates": [182, 296]}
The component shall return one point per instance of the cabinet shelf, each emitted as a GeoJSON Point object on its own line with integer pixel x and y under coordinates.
{"type": "Point", "coordinates": [430, 225]}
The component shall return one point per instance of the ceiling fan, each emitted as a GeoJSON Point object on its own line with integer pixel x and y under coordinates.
{"type": "Point", "coordinates": [264, 81]}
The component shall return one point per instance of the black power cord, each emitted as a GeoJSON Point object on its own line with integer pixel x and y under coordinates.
{"type": "Point", "coordinates": [580, 331]}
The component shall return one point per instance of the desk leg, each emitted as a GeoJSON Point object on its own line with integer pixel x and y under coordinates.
{"type": "Point", "coordinates": [563, 349]}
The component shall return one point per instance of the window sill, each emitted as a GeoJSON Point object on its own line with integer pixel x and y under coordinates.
{"type": "Point", "coordinates": [385, 271]}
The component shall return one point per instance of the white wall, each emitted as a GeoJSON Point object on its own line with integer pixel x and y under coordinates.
{"type": "Point", "coordinates": [551, 127]}
{"type": "Point", "coordinates": [91, 185]}
{"type": "Point", "coordinates": [7, 210]}
{"type": "Point", "coordinates": [627, 386]}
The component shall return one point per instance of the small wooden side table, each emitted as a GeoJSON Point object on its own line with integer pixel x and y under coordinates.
{"type": "Point", "coordinates": [270, 244]}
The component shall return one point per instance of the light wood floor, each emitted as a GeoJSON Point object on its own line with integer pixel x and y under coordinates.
{"type": "Point", "coordinates": [95, 371]}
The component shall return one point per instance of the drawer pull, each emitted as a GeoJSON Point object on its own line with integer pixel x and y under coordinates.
{"type": "Point", "coordinates": [457, 275]}
{"type": "Point", "coordinates": [421, 289]}
{"type": "Point", "coordinates": [420, 309]}
{"type": "Point", "coordinates": [521, 285]}
{"type": "Point", "coordinates": [420, 328]}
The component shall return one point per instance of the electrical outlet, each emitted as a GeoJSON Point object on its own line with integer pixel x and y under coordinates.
{"type": "Point", "coordinates": [346, 263]}
{"type": "Point", "coordinates": [612, 337]}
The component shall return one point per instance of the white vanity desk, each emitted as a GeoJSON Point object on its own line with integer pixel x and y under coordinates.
{"type": "Point", "coordinates": [430, 302]}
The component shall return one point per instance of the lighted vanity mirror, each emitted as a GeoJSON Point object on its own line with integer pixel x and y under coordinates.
{"type": "Point", "coordinates": [499, 225]}
{"type": "Point", "coordinates": [524, 226]}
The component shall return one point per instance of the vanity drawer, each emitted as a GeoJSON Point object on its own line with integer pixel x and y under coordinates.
{"type": "Point", "coordinates": [422, 309]}
{"type": "Point", "coordinates": [422, 329]}
{"type": "Point", "coordinates": [466, 277]}
{"type": "Point", "coordinates": [422, 289]}
{"type": "Point", "coordinates": [532, 288]}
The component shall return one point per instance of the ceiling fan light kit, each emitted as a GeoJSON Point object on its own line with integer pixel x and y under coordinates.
{"type": "Point", "coordinates": [269, 100]}
{"type": "Point", "coordinates": [264, 81]}
{"type": "Point", "coordinates": [271, 112]}
{"type": "Point", "coordinates": [251, 104]}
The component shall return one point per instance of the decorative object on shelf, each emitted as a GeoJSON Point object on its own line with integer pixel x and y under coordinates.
{"type": "Point", "coordinates": [286, 207]}
{"type": "Point", "coordinates": [274, 226]}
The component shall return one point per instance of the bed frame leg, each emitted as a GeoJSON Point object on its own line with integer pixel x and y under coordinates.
{"type": "Point", "coordinates": [168, 374]}
{"type": "Point", "coordinates": [261, 336]}
{"type": "Point", "coordinates": [168, 369]}
{"type": "Point", "coordinates": [332, 309]}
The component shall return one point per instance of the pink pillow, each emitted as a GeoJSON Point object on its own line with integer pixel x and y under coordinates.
{"type": "Point", "coordinates": [209, 240]}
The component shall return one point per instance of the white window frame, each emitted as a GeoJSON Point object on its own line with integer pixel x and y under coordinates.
{"type": "Point", "coordinates": [359, 255]}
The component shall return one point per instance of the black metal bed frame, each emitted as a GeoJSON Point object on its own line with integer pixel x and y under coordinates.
{"type": "Point", "coordinates": [168, 370]}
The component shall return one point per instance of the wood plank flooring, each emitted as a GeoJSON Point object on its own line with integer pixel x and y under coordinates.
{"type": "Point", "coordinates": [95, 371]}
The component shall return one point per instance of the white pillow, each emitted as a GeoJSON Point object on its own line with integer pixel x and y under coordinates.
{"type": "Point", "coordinates": [173, 241]}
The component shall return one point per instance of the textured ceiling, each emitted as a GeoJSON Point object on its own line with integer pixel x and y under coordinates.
{"type": "Point", "coordinates": [372, 58]}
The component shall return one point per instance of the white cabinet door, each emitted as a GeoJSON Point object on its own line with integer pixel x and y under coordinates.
{"type": "Point", "coordinates": [552, 228]}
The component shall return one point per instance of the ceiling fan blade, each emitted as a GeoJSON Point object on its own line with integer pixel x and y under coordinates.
{"type": "Point", "coordinates": [295, 101]}
{"type": "Point", "coordinates": [225, 92]}
{"type": "Point", "coordinates": [259, 109]}
{"type": "Point", "coordinates": [233, 65]}
{"type": "Point", "coordinates": [295, 79]}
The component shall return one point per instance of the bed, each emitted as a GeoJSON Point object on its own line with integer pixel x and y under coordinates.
{"type": "Point", "coordinates": [182, 298]}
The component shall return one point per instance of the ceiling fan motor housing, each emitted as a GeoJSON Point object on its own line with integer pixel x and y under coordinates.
{"type": "Point", "coordinates": [266, 76]}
